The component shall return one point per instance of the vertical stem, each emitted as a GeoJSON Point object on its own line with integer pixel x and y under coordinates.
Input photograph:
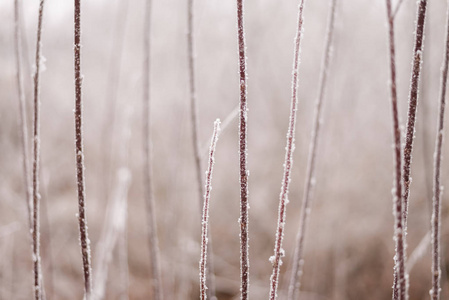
{"type": "Point", "coordinates": [399, 268]}
{"type": "Point", "coordinates": [410, 131]}
{"type": "Point", "coordinates": [396, 9]}
{"type": "Point", "coordinates": [196, 145]}
{"type": "Point", "coordinates": [298, 260]}
{"type": "Point", "coordinates": [413, 104]}
{"type": "Point", "coordinates": [437, 189]}
{"type": "Point", "coordinates": [79, 148]}
{"type": "Point", "coordinates": [147, 176]}
{"type": "Point", "coordinates": [243, 149]}
{"type": "Point", "coordinates": [36, 157]}
{"type": "Point", "coordinates": [193, 99]}
{"type": "Point", "coordinates": [114, 73]}
{"type": "Point", "coordinates": [205, 215]}
{"type": "Point", "coordinates": [46, 242]}
{"type": "Point", "coordinates": [22, 112]}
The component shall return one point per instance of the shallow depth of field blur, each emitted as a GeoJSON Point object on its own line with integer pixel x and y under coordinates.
{"type": "Point", "coordinates": [349, 245]}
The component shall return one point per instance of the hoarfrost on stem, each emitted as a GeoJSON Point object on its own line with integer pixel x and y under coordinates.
{"type": "Point", "coordinates": [84, 239]}
{"type": "Point", "coordinates": [244, 253]}
{"type": "Point", "coordinates": [205, 214]}
{"type": "Point", "coordinates": [36, 162]}
{"type": "Point", "coordinates": [298, 260]}
{"type": "Point", "coordinates": [437, 188]}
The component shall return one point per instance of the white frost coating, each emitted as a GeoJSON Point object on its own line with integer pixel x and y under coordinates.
{"type": "Point", "coordinates": [205, 215]}
{"type": "Point", "coordinates": [288, 160]}
{"type": "Point", "coordinates": [42, 66]}
{"type": "Point", "coordinates": [243, 154]}
{"type": "Point", "coordinates": [437, 187]}
{"type": "Point", "coordinates": [310, 182]}
{"type": "Point", "coordinates": [36, 161]}
{"type": "Point", "coordinates": [402, 204]}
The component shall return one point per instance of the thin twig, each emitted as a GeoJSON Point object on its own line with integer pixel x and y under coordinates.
{"type": "Point", "coordinates": [79, 152]}
{"type": "Point", "coordinates": [147, 176]}
{"type": "Point", "coordinates": [193, 101]}
{"type": "Point", "coordinates": [22, 112]}
{"type": "Point", "coordinates": [205, 217]}
{"type": "Point", "coordinates": [418, 252]}
{"type": "Point", "coordinates": [223, 127]}
{"type": "Point", "coordinates": [243, 154]}
{"type": "Point", "coordinates": [115, 225]}
{"type": "Point", "coordinates": [410, 131]}
{"type": "Point", "coordinates": [112, 92]}
{"type": "Point", "coordinates": [413, 102]}
{"type": "Point", "coordinates": [196, 144]}
{"type": "Point", "coordinates": [399, 266]}
{"type": "Point", "coordinates": [46, 239]}
{"type": "Point", "coordinates": [437, 189]}
{"type": "Point", "coordinates": [23, 122]}
{"type": "Point", "coordinates": [396, 9]}
{"type": "Point", "coordinates": [298, 260]}
{"type": "Point", "coordinates": [38, 288]}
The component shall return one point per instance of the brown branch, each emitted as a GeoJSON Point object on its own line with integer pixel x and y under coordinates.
{"type": "Point", "coordinates": [410, 131]}
{"type": "Point", "coordinates": [399, 267]}
{"type": "Point", "coordinates": [413, 99]}
{"type": "Point", "coordinates": [79, 151]}
{"type": "Point", "coordinates": [38, 288]}
{"type": "Point", "coordinates": [243, 154]}
{"type": "Point", "coordinates": [413, 103]}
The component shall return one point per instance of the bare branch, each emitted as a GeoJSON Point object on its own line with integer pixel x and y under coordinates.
{"type": "Point", "coordinates": [148, 176]}
{"type": "Point", "coordinates": [22, 112]}
{"type": "Point", "coordinates": [195, 140]}
{"type": "Point", "coordinates": [243, 154]}
{"type": "Point", "coordinates": [399, 267]}
{"type": "Point", "coordinates": [437, 189]}
{"type": "Point", "coordinates": [396, 9]}
{"type": "Point", "coordinates": [205, 216]}
{"type": "Point", "coordinates": [298, 259]}
{"type": "Point", "coordinates": [38, 288]}
{"type": "Point", "coordinates": [79, 149]}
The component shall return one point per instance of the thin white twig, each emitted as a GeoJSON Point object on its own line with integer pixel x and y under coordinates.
{"type": "Point", "coordinates": [437, 188]}
{"type": "Point", "coordinates": [298, 261]}
{"type": "Point", "coordinates": [205, 217]}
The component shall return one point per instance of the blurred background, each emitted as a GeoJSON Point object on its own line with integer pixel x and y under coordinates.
{"type": "Point", "coordinates": [349, 245]}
